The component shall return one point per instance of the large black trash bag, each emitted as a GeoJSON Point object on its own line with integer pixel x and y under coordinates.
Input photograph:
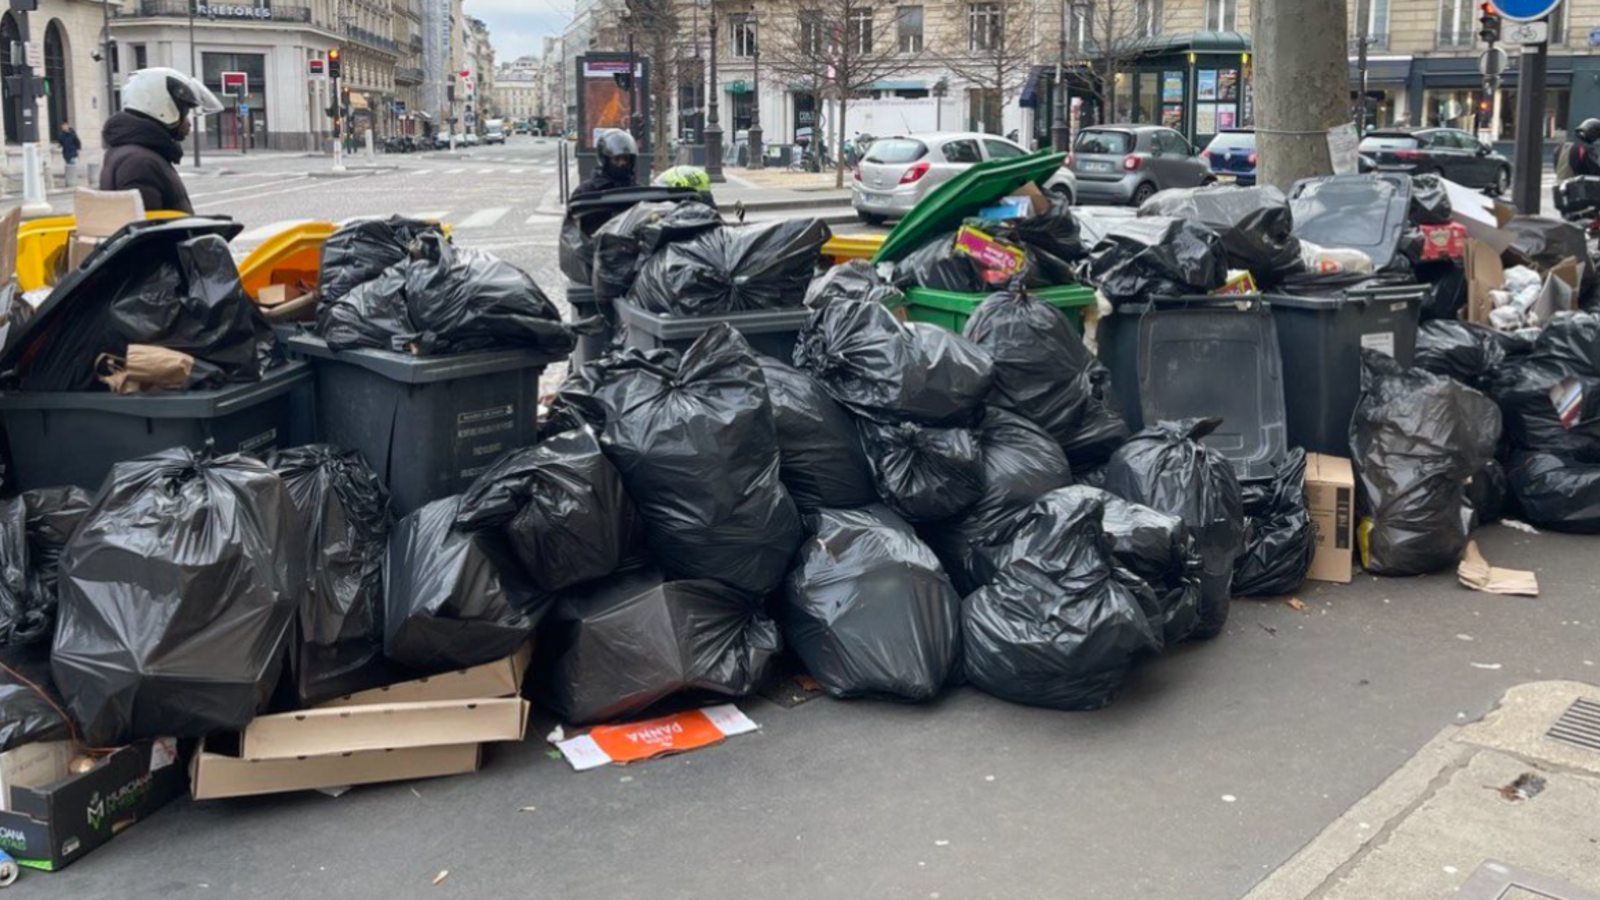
{"type": "Point", "coordinates": [20, 621]}
{"type": "Point", "coordinates": [1044, 373]}
{"type": "Point", "coordinates": [1470, 353]}
{"type": "Point", "coordinates": [1487, 494]}
{"type": "Point", "coordinates": [1019, 464]}
{"type": "Point", "coordinates": [732, 269]}
{"type": "Point", "coordinates": [881, 368]}
{"type": "Point", "coordinates": [197, 306]}
{"type": "Point", "coordinates": [925, 474]}
{"type": "Point", "coordinates": [178, 592]}
{"type": "Point", "coordinates": [575, 252]}
{"type": "Point", "coordinates": [1542, 243]}
{"type": "Point", "coordinates": [370, 314]}
{"type": "Point", "coordinates": [1052, 239]}
{"type": "Point", "coordinates": [1168, 469]}
{"type": "Point", "coordinates": [1558, 493]}
{"type": "Point", "coordinates": [1061, 623]}
{"type": "Point", "coordinates": [53, 515]}
{"type": "Point", "coordinates": [623, 243]}
{"type": "Point", "coordinates": [869, 610]}
{"type": "Point", "coordinates": [560, 505]}
{"type": "Point", "coordinates": [1430, 202]}
{"type": "Point", "coordinates": [854, 279]}
{"type": "Point", "coordinates": [1566, 352]}
{"type": "Point", "coordinates": [697, 447]}
{"type": "Point", "coordinates": [1160, 551]}
{"type": "Point", "coordinates": [936, 265]}
{"type": "Point", "coordinates": [1254, 224]}
{"type": "Point", "coordinates": [360, 251]}
{"type": "Point", "coordinates": [619, 646]}
{"type": "Point", "coordinates": [28, 716]}
{"type": "Point", "coordinates": [1157, 256]}
{"type": "Point", "coordinates": [453, 599]}
{"type": "Point", "coordinates": [1279, 537]}
{"type": "Point", "coordinates": [1415, 439]}
{"type": "Point", "coordinates": [344, 514]}
{"type": "Point", "coordinates": [460, 300]}
{"type": "Point", "coordinates": [1446, 282]}
{"type": "Point", "coordinates": [823, 464]}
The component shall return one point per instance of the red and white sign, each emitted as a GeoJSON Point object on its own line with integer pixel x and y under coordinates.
{"type": "Point", "coordinates": [235, 83]}
{"type": "Point", "coordinates": [635, 741]}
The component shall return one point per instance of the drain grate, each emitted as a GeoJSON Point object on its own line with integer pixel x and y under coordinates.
{"type": "Point", "coordinates": [1498, 881]}
{"type": "Point", "coordinates": [1579, 725]}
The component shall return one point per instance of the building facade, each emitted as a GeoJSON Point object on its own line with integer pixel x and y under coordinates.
{"type": "Point", "coordinates": [76, 63]}
{"type": "Point", "coordinates": [410, 113]}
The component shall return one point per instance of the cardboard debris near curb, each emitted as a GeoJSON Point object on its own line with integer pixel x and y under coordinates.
{"type": "Point", "coordinates": [501, 678]}
{"type": "Point", "coordinates": [216, 775]}
{"type": "Point", "coordinates": [1476, 573]}
{"type": "Point", "coordinates": [383, 726]}
{"type": "Point", "coordinates": [635, 741]}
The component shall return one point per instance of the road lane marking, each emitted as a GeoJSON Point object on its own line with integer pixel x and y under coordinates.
{"type": "Point", "coordinates": [483, 218]}
{"type": "Point", "coordinates": [489, 171]}
{"type": "Point", "coordinates": [516, 171]}
{"type": "Point", "coordinates": [433, 216]}
{"type": "Point", "coordinates": [454, 171]}
{"type": "Point", "coordinates": [248, 187]}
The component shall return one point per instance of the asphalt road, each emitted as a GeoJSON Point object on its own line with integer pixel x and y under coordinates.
{"type": "Point", "coordinates": [1215, 765]}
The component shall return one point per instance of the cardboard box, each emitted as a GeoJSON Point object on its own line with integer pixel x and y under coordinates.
{"type": "Point", "coordinates": [1331, 500]}
{"type": "Point", "coordinates": [34, 765]}
{"type": "Point", "coordinates": [1484, 274]}
{"type": "Point", "coordinates": [55, 825]}
{"type": "Point", "coordinates": [502, 678]}
{"type": "Point", "coordinates": [1484, 218]}
{"type": "Point", "coordinates": [1039, 203]}
{"type": "Point", "coordinates": [100, 214]}
{"type": "Point", "coordinates": [218, 774]}
{"type": "Point", "coordinates": [79, 248]}
{"type": "Point", "coordinates": [383, 726]}
{"type": "Point", "coordinates": [10, 225]}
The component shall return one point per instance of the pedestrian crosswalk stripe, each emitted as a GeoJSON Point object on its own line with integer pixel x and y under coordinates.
{"type": "Point", "coordinates": [434, 216]}
{"type": "Point", "coordinates": [539, 218]}
{"type": "Point", "coordinates": [489, 171]}
{"type": "Point", "coordinates": [421, 171]}
{"type": "Point", "coordinates": [454, 171]}
{"type": "Point", "coordinates": [517, 171]}
{"type": "Point", "coordinates": [483, 218]}
{"type": "Point", "coordinates": [548, 171]}
{"type": "Point", "coordinates": [266, 231]}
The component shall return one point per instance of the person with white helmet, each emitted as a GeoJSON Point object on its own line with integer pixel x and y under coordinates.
{"type": "Point", "coordinates": [144, 142]}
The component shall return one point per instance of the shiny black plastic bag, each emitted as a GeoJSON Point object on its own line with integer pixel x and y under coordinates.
{"type": "Point", "coordinates": [575, 252]}
{"type": "Point", "coordinates": [453, 599]}
{"type": "Point", "coordinates": [1446, 281]}
{"type": "Point", "coordinates": [1488, 493]}
{"type": "Point", "coordinates": [1430, 202]}
{"type": "Point", "coordinates": [823, 465]}
{"type": "Point", "coordinates": [1061, 623]}
{"type": "Point", "coordinates": [460, 300]}
{"type": "Point", "coordinates": [624, 242]}
{"type": "Point", "coordinates": [1254, 224]}
{"type": "Point", "coordinates": [925, 474]}
{"type": "Point", "coordinates": [20, 620]}
{"type": "Point", "coordinates": [561, 506]}
{"type": "Point", "coordinates": [937, 265]}
{"type": "Point", "coordinates": [178, 592]}
{"type": "Point", "coordinates": [696, 444]}
{"type": "Point", "coordinates": [1160, 551]}
{"type": "Point", "coordinates": [1470, 353]}
{"type": "Point", "coordinates": [1565, 356]}
{"type": "Point", "coordinates": [854, 279]}
{"type": "Point", "coordinates": [1168, 469]}
{"type": "Point", "coordinates": [869, 610]}
{"type": "Point", "coordinates": [26, 716]}
{"type": "Point", "coordinates": [1557, 493]}
{"type": "Point", "coordinates": [1415, 439]}
{"type": "Point", "coordinates": [1279, 537]}
{"type": "Point", "coordinates": [620, 646]}
{"type": "Point", "coordinates": [1542, 243]}
{"type": "Point", "coordinates": [737, 268]}
{"type": "Point", "coordinates": [1157, 256]}
{"type": "Point", "coordinates": [344, 514]}
{"type": "Point", "coordinates": [1053, 241]}
{"type": "Point", "coordinates": [1044, 373]}
{"type": "Point", "coordinates": [881, 368]}
{"type": "Point", "coordinates": [362, 250]}
{"type": "Point", "coordinates": [53, 515]}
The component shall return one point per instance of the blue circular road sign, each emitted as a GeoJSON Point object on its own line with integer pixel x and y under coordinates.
{"type": "Point", "coordinates": [1525, 10]}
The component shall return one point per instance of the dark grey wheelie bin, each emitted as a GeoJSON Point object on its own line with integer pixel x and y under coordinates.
{"type": "Point", "coordinates": [770, 331]}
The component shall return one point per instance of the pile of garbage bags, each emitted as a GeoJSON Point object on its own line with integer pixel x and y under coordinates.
{"type": "Point", "coordinates": [1253, 223]}
{"type": "Point", "coordinates": [730, 269]}
{"type": "Point", "coordinates": [1157, 256]}
{"type": "Point", "coordinates": [34, 529]}
{"type": "Point", "coordinates": [1279, 541]}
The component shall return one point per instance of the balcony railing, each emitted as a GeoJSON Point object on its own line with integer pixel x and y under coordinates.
{"type": "Point", "coordinates": [406, 75]}
{"type": "Point", "coordinates": [416, 42]}
{"type": "Point", "coordinates": [371, 39]}
{"type": "Point", "coordinates": [229, 12]}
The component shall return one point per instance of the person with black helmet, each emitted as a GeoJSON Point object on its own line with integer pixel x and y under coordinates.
{"type": "Point", "coordinates": [144, 142]}
{"type": "Point", "coordinates": [616, 155]}
{"type": "Point", "coordinates": [1580, 156]}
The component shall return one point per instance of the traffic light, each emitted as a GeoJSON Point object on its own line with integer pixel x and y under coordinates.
{"type": "Point", "coordinates": [333, 63]}
{"type": "Point", "coordinates": [1488, 23]}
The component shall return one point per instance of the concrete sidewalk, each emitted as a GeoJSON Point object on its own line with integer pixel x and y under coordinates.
{"type": "Point", "coordinates": [1497, 806]}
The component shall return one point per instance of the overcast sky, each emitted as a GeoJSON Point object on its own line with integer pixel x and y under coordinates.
{"type": "Point", "coordinates": [515, 26]}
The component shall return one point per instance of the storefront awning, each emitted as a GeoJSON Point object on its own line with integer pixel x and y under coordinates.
{"type": "Point", "coordinates": [1029, 97]}
{"type": "Point", "coordinates": [1383, 70]}
{"type": "Point", "coordinates": [898, 86]}
{"type": "Point", "coordinates": [1193, 42]}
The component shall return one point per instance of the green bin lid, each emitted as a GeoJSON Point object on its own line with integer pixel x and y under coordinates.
{"type": "Point", "coordinates": [962, 196]}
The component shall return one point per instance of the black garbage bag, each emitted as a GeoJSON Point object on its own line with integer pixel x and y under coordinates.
{"type": "Point", "coordinates": [178, 591]}
{"type": "Point", "coordinates": [1160, 551]}
{"type": "Point", "coordinates": [697, 447]}
{"type": "Point", "coordinates": [1470, 353]}
{"type": "Point", "coordinates": [1254, 224]}
{"type": "Point", "coordinates": [619, 646]}
{"type": "Point", "coordinates": [344, 514]}
{"type": "Point", "coordinates": [1488, 493]}
{"type": "Point", "coordinates": [1019, 463]}
{"type": "Point", "coordinates": [732, 269]}
{"type": "Point", "coordinates": [30, 705]}
{"type": "Point", "coordinates": [1415, 439]}
{"type": "Point", "coordinates": [1061, 623]}
{"type": "Point", "coordinates": [1430, 202]}
{"type": "Point", "coordinates": [195, 305]}
{"type": "Point", "coordinates": [20, 620]}
{"type": "Point", "coordinates": [936, 265]}
{"type": "Point", "coordinates": [1052, 239]}
{"type": "Point", "coordinates": [1279, 537]}
{"type": "Point", "coordinates": [53, 515]}
{"type": "Point", "coordinates": [869, 610]}
{"type": "Point", "coordinates": [460, 300]}
{"type": "Point", "coordinates": [575, 252]}
{"type": "Point", "coordinates": [1447, 288]}
{"type": "Point", "coordinates": [453, 599]}
{"type": "Point", "coordinates": [370, 314]}
{"type": "Point", "coordinates": [1542, 243]}
{"type": "Point", "coordinates": [362, 250]}
{"type": "Point", "coordinates": [561, 507]}
{"type": "Point", "coordinates": [855, 279]}
{"type": "Point", "coordinates": [1157, 256]}
{"type": "Point", "coordinates": [879, 367]}
{"type": "Point", "coordinates": [1557, 493]}
{"type": "Point", "coordinates": [1564, 362]}
{"type": "Point", "coordinates": [1044, 373]}
{"type": "Point", "coordinates": [623, 243]}
{"type": "Point", "coordinates": [823, 464]}
{"type": "Point", "coordinates": [1168, 469]}
{"type": "Point", "coordinates": [925, 474]}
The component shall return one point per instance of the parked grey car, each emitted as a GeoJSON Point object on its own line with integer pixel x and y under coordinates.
{"type": "Point", "coordinates": [1128, 163]}
{"type": "Point", "coordinates": [899, 171]}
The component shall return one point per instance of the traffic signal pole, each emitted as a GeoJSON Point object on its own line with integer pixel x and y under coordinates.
{"type": "Point", "coordinates": [1529, 158]}
{"type": "Point", "coordinates": [335, 75]}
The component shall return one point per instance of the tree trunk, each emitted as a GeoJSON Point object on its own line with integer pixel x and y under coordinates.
{"type": "Point", "coordinates": [1301, 85]}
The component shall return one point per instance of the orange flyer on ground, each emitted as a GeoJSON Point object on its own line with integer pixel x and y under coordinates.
{"type": "Point", "coordinates": [634, 741]}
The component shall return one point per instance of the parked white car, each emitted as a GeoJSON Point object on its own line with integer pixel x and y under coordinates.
{"type": "Point", "coordinates": [897, 172]}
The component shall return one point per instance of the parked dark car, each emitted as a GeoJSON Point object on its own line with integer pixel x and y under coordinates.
{"type": "Point", "coordinates": [1129, 163]}
{"type": "Point", "coordinates": [1232, 156]}
{"type": "Point", "coordinates": [1449, 152]}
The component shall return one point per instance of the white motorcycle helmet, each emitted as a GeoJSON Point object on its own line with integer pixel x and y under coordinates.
{"type": "Point", "coordinates": [168, 95]}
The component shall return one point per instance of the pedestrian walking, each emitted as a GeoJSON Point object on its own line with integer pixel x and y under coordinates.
{"type": "Point", "coordinates": [71, 146]}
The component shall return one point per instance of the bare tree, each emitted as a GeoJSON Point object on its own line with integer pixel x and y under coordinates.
{"type": "Point", "coordinates": [999, 45]}
{"type": "Point", "coordinates": [655, 28]}
{"type": "Point", "coordinates": [1111, 33]}
{"type": "Point", "coordinates": [836, 47]}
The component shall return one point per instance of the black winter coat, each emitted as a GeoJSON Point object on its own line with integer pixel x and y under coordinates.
{"type": "Point", "coordinates": [141, 155]}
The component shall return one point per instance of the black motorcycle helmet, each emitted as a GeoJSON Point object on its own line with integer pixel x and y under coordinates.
{"type": "Point", "coordinates": [618, 152]}
{"type": "Point", "coordinates": [1589, 131]}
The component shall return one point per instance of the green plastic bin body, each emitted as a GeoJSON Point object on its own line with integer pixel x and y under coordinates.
{"type": "Point", "coordinates": [950, 309]}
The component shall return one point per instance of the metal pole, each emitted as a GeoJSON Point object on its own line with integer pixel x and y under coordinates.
{"type": "Point", "coordinates": [1363, 13]}
{"type": "Point", "coordinates": [106, 48]}
{"type": "Point", "coordinates": [33, 186]}
{"type": "Point", "coordinates": [194, 70]}
{"type": "Point", "coordinates": [1529, 164]}
{"type": "Point", "coordinates": [1059, 132]}
{"type": "Point", "coordinates": [714, 127]}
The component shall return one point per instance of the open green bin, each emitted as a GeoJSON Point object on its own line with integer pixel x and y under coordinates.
{"type": "Point", "coordinates": [951, 309]}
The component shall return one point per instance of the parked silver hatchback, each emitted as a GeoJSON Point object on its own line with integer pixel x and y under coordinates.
{"type": "Point", "coordinates": [1129, 163]}
{"type": "Point", "coordinates": [899, 171]}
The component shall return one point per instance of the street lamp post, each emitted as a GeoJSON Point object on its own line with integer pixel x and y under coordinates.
{"type": "Point", "coordinates": [1058, 129]}
{"type": "Point", "coordinates": [757, 153]}
{"type": "Point", "coordinates": [714, 127]}
{"type": "Point", "coordinates": [194, 69]}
